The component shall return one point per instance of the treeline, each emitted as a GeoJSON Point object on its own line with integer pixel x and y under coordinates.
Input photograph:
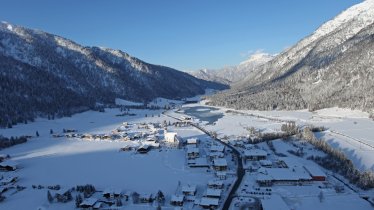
{"type": "Point", "coordinates": [288, 129]}
{"type": "Point", "coordinates": [8, 142]}
{"type": "Point", "coordinates": [338, 162]}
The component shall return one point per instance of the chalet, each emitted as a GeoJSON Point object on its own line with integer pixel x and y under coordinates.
{"type": "Point", "coordinates": [213, 193]}
{"type": "Point", "coordinates": [143, 126]}
{"type": "Point", "coordinates": [122, 128]}
{"type": "Point", "coordinates": [144, 149]}
{"type": "Point", "coordinates": [88, 203]}
{"type": "Point", "coordinates": [8, 165]}
{"type": "Point", "coordinates": [255, 154]}
{"type": "Point", "coordinates": [192, 141]}
{"type": "Point", "coordinates": [214, 155]}
{"type": "Point", "coordinates": [145, 198]}
{"type": "Point", "coordinates": [266, 163]}
{"type": "Point", "coordinates": [215, 184]}
{"type": "Point", "coordinates": [177, 200]}
{"type": "Point", "coordinates": [8, 180]}
{"type": "Point", "coordinates": [126, 148]}
{"type": "Point", "coordinates": [193, 152]}
{"type": "Point", "coordinates": [316, 173]}
{"type": "Point", "coordinates": [151, 139]}
{"type": "Point", "coordinates": [220, 164]}
{"type": "Point", "coordinates": [209, 203]}
{"type": "Point", "coordinates": [112, 193]}
{"type": "Point", "coordinates": [189, 189]}
{"type": "Point", "coordinates": [198, 163]}
{"type": "Point", "coordinates": [217, 148]}
{"type": "Point", "coordinates": [4, 157]}
{"type": "Point", "coordinates": [98, 205]}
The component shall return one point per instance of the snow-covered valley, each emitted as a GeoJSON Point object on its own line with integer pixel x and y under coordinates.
{"type": "Point", "coordinates": [68, 161]}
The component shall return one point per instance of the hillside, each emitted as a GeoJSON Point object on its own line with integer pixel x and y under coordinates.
{"type": "Point", "coordinates": [44, 74]}
{"type": "Point", "coordinates": [331, 67]}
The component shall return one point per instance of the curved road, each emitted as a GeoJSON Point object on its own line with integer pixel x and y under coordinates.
{"type": "Point", "coordinates": [239, 170]}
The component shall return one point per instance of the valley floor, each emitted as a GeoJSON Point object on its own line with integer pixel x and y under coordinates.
{"type": "Point", "coordinates": [70, 161]}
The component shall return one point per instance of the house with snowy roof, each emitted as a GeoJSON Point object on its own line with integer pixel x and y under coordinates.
{"type": "Point", "coordinates": [177, 200]}
{"type": "Point", "coordinates": [255, 154]}
{"type": "Point", "coordinates": [220, 164]}
{"type": "Point", "coordinates": [193, 152]}
{"type": "Point", "coordinates": [172, 139]}
{"type": "Point", "coordinates": [209, 203]}
{"type": "Point", "coordinates": [189, 189]}
{"type": "Point", "coordinates": [8, 165]}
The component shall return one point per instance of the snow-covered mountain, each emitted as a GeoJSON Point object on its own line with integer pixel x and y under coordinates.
{"type": "Point", "coordinates": [334, 66]}
{"type": "Point", "coordinates": [232, 74]}
{"type": "Point", "coordinates": [45, 73]}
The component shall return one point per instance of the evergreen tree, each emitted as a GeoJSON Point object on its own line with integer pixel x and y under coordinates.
{"type": "Point", "coordinates": [78, 200]}
{"type": "Point", "coordinates": [49, 196]}
{"type": "Point", "coordinates": [119, 202]}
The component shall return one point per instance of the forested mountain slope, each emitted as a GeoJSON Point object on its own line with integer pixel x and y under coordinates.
{"type": "Point", "coordinates": [45, 74]}
{"type": "Point", "coordinates": [334, 66]}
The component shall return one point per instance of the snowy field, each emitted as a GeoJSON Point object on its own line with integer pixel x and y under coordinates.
{"type": "Point", "coordinates": [348, 130]}
{"type": "Point", "coordinates": [68, 162]}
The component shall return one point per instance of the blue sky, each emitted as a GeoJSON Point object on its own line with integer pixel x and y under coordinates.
{"type": "Point", "coordinates": [186, 35]}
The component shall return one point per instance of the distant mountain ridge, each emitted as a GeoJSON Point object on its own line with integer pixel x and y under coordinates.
{"type": "Point", "coordinates": [334, 66]}
{"type": "Point", "coordinates": [45, 74]}
{"type": "Point", "coordinates": [232, 74]}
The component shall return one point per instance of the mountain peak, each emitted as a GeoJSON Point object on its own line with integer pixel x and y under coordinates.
{"type": "Point", "coordinates": [258, 57]}
{"type": "Point", "coordinates": [6, 25]}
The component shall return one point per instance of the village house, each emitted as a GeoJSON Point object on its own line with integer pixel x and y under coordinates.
{"type": "Point", "coordinates": [4, 157]}
{"type": "Point", "coordinates": [172, 138]}
{"type": "Point", "coordinates": [126, 148]}
{"type": "Point", "coordinates": [209, 203]}
{"type": "Point", "coordinates": [144, 149]}
{"type": "Point", "coordinates": [266, 163]}
{"type": "Point", "coordinates": [8, 165]}
{"type": "Point", "coordinates": [198, 163]}
{"type": "Point", "coordinates": [193, 141]}
{"type": "Point", "coordinates": [220, 164]}
{"type": "Point", "coordinates": [189, 189]}
{"type": "Point", "coordinates": [146, 198]}
{"type": "Point", "coordinates": [112, 193]}
{"type": "Point", "coordinates": [217, 148]}
{"type": "Point", "coordinates": [98, 205]}
{"type": "Point", "coordinates": [215, 184]}
{"type": "Point", "coordinates": [8, 180]}
{"type": "Point", "coordinates": [213, 193]}
{"type": "Point", "coordinates": [88, 203]}
{"type": "Point", "coordinates": [193, 152]}
{"type": "Point", "coordinates": [255, 154]}
{"type": "Point", "coordinates": [214, 155]}
{"type": "Point", "coordinates": [177, 200]}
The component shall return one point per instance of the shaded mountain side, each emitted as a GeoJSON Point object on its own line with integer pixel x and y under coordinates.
{"type": "Point", "coordinates": [46, 75]}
